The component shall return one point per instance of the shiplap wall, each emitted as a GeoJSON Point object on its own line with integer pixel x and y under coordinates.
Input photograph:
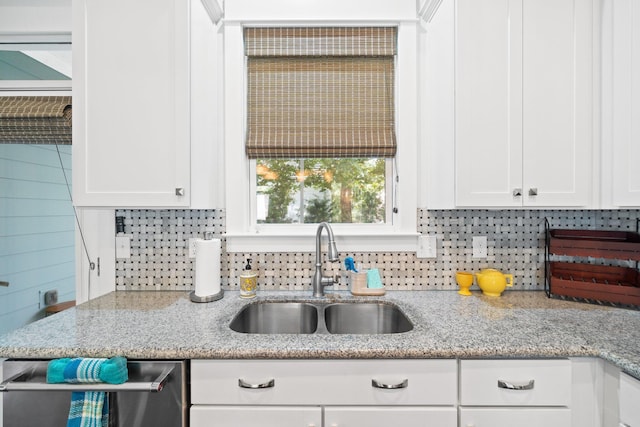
{"type": "Point", "coordinates": [36, 231]}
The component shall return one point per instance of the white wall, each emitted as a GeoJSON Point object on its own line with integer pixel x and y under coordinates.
{"type": "Point", "coordinates": [35, 16]}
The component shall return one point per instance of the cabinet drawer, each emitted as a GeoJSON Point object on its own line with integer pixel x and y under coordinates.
{"type": "Point", "coordinates": [536, 382]}
{"type": "Point", "coordinates": [390, 416]}
{"type": "Point", "coordinates": [510, 417]}
{"type": "Point", "coordinates": [234, 416]}
{"type": "Point", "coordinates": [324, 382]}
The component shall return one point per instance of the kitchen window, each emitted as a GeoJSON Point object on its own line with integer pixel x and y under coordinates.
{"type": "Point", "coordinates": [321, 122]}
{"type": "Point", "coordinates": [319, 138]}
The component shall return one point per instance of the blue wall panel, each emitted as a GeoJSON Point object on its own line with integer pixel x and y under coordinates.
{"type": "Point", "coordinates": [37, 235]}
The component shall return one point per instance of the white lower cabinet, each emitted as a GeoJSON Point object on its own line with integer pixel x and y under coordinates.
{"type": "Point", "coordinates": [509, 417]}
{"type": "Point", "coordinates": [294, 416]}
{"type": "Point", "coordinates": [226, 393]}
{"type": "Point", "coordinates": [497, 393]}
{"type": "Point", "coordinates": [324, 382]}
{"type": "Point", "coordinates": [390, 416]}
{"type": "Point", "coordinates": [255, 416]}
{"type": "Point", "coordinates": [382, 393]}
{"type": "Point", "coordinates": [629, 396]}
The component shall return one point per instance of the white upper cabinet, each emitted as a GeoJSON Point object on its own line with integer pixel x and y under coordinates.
{"type": "Point", "coordinates": [621, 104]}
{"type": "Point", "coordinates": [131, 103]}
{"type": "Point", "coordinates": [133, 106]}
{"type": "Point", "coordinates": [524, 103]}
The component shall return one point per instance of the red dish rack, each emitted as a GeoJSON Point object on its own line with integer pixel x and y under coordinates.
{"type": "Point", "coordinates": [600, 284]}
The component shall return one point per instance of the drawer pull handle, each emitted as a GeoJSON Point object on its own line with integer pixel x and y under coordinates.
{"type": "Point", "coordinates": [377, 384]}
{"type": "Point", "coordinates": [269, 384]}
{"type": "Point", "coordinates": [624, 425]}
{"type": "Point", "coordinates": [509, 386]}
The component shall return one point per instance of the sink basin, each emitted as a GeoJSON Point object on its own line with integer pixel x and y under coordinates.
{"type": "Point", "coordinates": [365, 318]}
{"type": "Point", "coordinates": [276, 318]}
{"type": "Point", "coordinates": [290, 317]}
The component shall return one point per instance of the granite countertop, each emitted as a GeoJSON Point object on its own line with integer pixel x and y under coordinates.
{"type": "Point", "coordinates": [167, 325]}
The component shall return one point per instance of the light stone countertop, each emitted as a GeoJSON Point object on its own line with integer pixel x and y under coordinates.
{"type": "Point", "coordinates": [167, 325]}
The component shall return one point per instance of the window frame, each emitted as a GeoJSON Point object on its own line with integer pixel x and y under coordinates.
{"type": "Point", "coordinates": [44, 87]}
{"type": "Point", "coordinates": [242, 232]}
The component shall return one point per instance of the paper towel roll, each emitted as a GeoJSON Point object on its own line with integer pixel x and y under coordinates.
{"type": "Point", "coordinates": [207, 280]}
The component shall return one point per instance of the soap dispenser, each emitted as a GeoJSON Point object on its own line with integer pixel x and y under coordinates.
{"type": "Point", "coordinates": [248, 281]}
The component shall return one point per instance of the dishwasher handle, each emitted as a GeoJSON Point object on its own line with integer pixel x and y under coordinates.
{"type": "Point", "coordinates": [155, 386]}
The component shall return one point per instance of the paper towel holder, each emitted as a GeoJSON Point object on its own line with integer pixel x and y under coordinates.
{"type": "Point", "coordinates": [208, 235]}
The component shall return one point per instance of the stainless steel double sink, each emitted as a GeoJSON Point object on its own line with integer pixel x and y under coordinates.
{"type": "Point", "coordinates": [266, 317]}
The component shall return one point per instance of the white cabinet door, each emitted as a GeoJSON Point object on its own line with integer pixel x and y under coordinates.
{"type": "Point", "coordinates": [629, 398]}
{"type": "Point", "coordinates": [390, 416]}
{"type": "Point", "coordinates": [510, 417]}
{"type": "Point", "coordinates": [488, 100]}
{"type": "Point", "coordinates": [524, 103]}
{"type": "Point", "coordinates": [253, 416]}
{"type": "Point", "coordinates": [625, 109]}
{"type": "Point", "coordinates": [557, 91]}
{"type": "Point", "coordinates": [131, 103]}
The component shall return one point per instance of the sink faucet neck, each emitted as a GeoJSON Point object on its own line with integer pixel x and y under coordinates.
{"type": "Point", "coordinates": [318, 281]}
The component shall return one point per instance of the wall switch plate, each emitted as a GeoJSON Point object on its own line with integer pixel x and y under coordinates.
{"type": "Point", "coordinates": [192, 248]}
{"type": "Point", "coordinates": [427, 247]}
{"type": "Point", "coordinates": [123, 247]}
{"type": "Point", "coordinates": [479, 247]}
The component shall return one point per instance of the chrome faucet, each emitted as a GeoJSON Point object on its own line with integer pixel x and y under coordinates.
{"type": "Point", "coordinates": [318, 281]}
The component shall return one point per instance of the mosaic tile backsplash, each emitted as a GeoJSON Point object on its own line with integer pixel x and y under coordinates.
{"type": "Point", "coordinates": [159, 249]}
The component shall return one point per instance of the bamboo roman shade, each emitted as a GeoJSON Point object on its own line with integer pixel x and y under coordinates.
{"type": "Point", "coordinates": [35, 120]}
{"type": "Point", "coordinates": [320, 92]}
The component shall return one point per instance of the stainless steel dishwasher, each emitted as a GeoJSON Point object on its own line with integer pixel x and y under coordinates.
{"type": "Point", "coordinates": [155, 395]}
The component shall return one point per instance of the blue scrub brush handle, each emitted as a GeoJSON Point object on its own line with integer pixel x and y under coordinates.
{"type": "Point", "coordinates": [348, 262]}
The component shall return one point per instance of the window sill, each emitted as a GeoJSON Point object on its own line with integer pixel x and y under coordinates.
{"type": "Point", "coordinates": [304, 241]}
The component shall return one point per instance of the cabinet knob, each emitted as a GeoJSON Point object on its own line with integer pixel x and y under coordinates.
{"type": "Point", "coordinates": [3, 283]}
{"type": "Point", "coordinates": [533, 191]}
{"type": "Point", "coordinates": [517, 192]}
{"type": "Point", "coordinates": [179, 191]}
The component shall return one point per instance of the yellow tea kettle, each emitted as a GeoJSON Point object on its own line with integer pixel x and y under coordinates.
{"type": "Point", "coordinates": [493, 282]}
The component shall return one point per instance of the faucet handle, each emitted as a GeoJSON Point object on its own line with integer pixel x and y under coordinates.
{"type": "Point", "coordinates": [330, 280]}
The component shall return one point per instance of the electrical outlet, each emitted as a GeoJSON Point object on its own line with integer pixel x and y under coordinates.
{"type": "Point", "coordinates": [479, 247]}
{"type": "Point", "coordinates": [51, 297]}
{"type": "Point", "coordinates": [192, 248]}
{"type": "Point", "coordinates": [427, 247]}
{"type": "Point", "coordinates": [123, 247]}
